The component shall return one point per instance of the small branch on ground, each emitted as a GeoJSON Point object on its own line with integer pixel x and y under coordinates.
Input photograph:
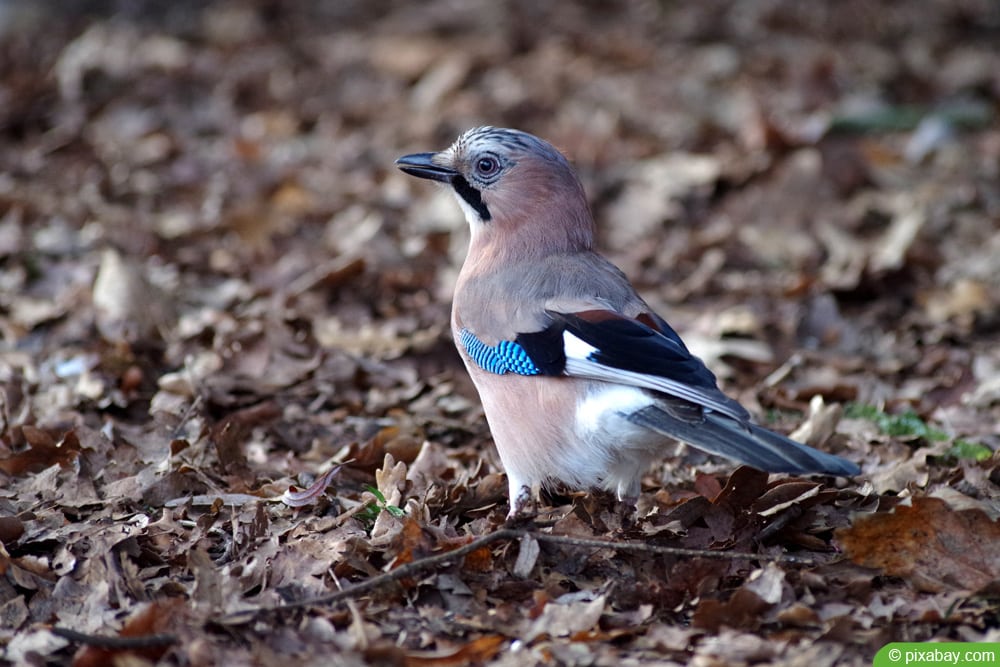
{"type": "Point", "coordinates": [415, 567]}
{"type": "Point", "coordinates": [115, 642]}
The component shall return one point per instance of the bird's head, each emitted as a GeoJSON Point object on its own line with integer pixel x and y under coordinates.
{"type": "Point", "coordinates": [515, 189]}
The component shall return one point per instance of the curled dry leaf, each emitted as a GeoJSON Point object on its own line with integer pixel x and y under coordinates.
{"type": "Point", "coordinates": [295, 498]}
{"type": "Point", "coordinates": [527, 556]}
{"type": "Point", "coordinates": [126, 307]}
{"type": "Point", "coordinates": [821, 423]}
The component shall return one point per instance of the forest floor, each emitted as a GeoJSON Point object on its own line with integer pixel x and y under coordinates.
{"type": "Point", "coordinates": [233, 426]}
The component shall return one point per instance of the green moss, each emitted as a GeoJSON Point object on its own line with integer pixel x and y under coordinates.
{"type": "Point", "coordinates": [909, 423]}
{"type": "Point", "coordinates": [906, 423]}
{"type": "Point", "coordinates": [963, 449]}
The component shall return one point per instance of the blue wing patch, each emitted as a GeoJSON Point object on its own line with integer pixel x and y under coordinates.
{"type": "Point", "coordinates": [505, 357]}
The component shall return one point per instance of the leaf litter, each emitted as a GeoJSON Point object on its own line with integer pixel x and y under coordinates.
{"type": "Point", "coordinates": [232, 425]}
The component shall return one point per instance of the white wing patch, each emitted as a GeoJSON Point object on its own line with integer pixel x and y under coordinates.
{"type": "Point", "coordinates": [576, 348]}
{"type": "Point", "coordinates": [710, 400]}
{"type": "Point", "coordinates": [579, 364]}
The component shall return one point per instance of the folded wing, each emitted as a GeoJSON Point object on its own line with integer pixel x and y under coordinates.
{"type": "Point", "coordinates": [646, 352]}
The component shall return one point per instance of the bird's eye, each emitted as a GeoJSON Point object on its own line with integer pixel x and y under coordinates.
{"type": "Point", "coordinates": [487, 166]}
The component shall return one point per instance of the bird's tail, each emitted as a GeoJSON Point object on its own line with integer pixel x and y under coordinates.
{"type": "Point", "coordinates": [744, 442]}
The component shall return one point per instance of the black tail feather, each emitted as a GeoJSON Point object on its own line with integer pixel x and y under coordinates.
{"type": "Point", "coordinates": [744, 442]}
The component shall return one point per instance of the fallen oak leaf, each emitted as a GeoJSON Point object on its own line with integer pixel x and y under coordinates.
{"type": "Point", "coordinates": [932, 546]}
{"type": "Point", "coordinates": [412, 540]}
{"type": "Point", "coordinates": [11, 528]}
{"type": "Point", "coordinates": [744, 610]}
{"type": "Point", "coordinates": [598, 635]}
{"type": "Point", "coordinates": [480, 560]}
{"type": "Point", "coordinates": [43, 451]}
{"type": "Point", "coordinates": [97, 649]}
{"type": "Point", "coordinates": [391, 480]}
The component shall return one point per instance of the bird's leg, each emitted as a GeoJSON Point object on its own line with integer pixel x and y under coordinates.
{"type": "Point", "coordinates": [520, 500]}
{"type": "Point", "coordinates": [628, 499]}
{"type": "Point", "coordinates": [628, 511]}
{"type": "Point", "coordinates": [523, 505]}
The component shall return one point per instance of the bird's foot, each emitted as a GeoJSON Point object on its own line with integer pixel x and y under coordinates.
{"type": "Point", "coordinates": [523, 509]}
{"type": "Point", "coordinates": [627, 511]}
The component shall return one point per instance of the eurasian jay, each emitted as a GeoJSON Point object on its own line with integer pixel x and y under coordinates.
{"type": "Point", "coordinates": [581, 382]}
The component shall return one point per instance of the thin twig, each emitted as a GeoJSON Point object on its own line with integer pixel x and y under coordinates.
{"type": "Point", "coordinates": [642, 547]}
{"type": "Point", "coordinates": [117, 642]}
{"type": "Point", "coordinates": [414, 567]}
{"type": "Point", "coordinates": [401, 572]}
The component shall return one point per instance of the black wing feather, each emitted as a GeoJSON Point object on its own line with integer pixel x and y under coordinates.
{"type": "Point", "coordinates": [632, 346]}
{"type": "Point", "coordinates": [545, 348]}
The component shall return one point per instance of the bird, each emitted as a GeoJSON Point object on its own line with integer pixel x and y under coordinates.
{"type": "Point", "coordinates": [582, 384]}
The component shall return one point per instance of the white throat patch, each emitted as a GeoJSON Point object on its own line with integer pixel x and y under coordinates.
{"type": "Point", "coordinates": [471, 215]}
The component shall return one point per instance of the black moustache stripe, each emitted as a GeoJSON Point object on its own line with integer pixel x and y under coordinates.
{"type": "Point", "coordinates": [471, 195]}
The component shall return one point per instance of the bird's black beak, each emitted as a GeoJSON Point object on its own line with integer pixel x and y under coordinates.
{"type": "Point", "coordinates": [421, 165]}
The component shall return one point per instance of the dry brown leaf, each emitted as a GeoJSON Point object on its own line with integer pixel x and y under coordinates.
{"type": "Point", "coordinates": [239, 158]}
{"type": "Point", "coordinates": [527, 556]}
{"type": "Point", "coordinates": [231, 434]}
{"type": "Point", "coordinates": [962, 299]}
{"type": "Point", "coordinates": [414, 543]}
{"type": "Point", "coordinates": [43, 451]}
{"type": "Point", "coordinates": [653, 192]}
{"type": "Point", "coordinates": [821, 423]}
{"type": "Point", "coordinates": [478, 651]}
{"type": "Point", "coordinates": [11, 528]}
{"type": "Point", "coordinates": [890, 253]}
{"type": "Point", "coordinates": [784, 495]}
{"type": "Point", "coordinates": [126, 306]}
{"type": "Point", "coordinates": [153, 619]}
{"type": "Point", "coordinates": [560, 619]}
{"type": "Point", "coordinates": [743, 487]}
{"type": "Point", "coordinates": [742, 611]}
{"type": "Point", "coordinates": [927, 543]}
{"type": "Point", "coordinates": [480, 560]}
